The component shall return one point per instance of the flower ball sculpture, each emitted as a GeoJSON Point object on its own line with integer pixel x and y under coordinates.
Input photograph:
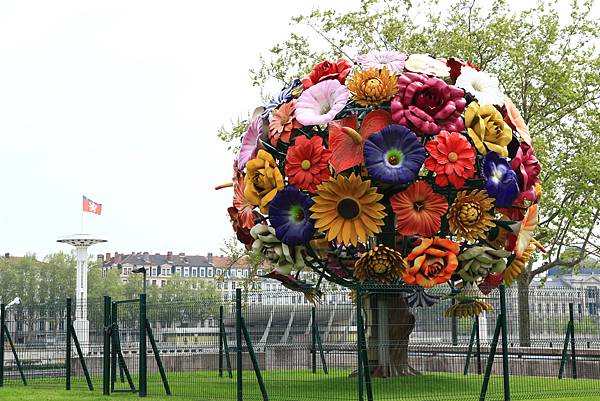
{"type": "Point", "coordinates": [392, 169]}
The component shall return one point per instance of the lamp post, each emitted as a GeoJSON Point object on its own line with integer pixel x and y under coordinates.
{"type": "Point", "coordinates": [141, 270]}
{"type": "Point", "coordinates": [15, 301]}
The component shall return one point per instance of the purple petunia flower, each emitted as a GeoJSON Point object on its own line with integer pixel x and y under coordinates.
{"type": "Point", "coordinates": [394, 155]}
{"type": "Point", "coordinates": [250, 142]}
{"type": "Point", "coordinates": [392, 60]}
{"type": "Point", "coordinates": [501, 181]}
{"type": "Point", "coordinates": [289, 215]}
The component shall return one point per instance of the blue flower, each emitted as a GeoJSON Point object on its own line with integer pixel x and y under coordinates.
{"type": "Point", "coordinates": [288, 214]}
{"type": "Point", "coordinates": [394, 155]}
{"type": "Point", "coordinates": [501, 181]}
{"type": "Point", "coordinates": [288, 93]}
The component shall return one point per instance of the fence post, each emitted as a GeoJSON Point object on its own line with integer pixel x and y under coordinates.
{"type": "Point", "coordinates": [2, 323]}
{"type": "Point", "coordinates": [478, 344]}
{"type": "Point", "coordinates": [238, 342]}
{"type": "Point", "coordinates": [505, 367]}
{"type": "Point", "coordinates": [68, 348]}
{"type": "Point", "coordinates": [454, 327]}
{"type": "Point", "coordinates": [573, 356]}
{"type": "Point", "coordinates": [106, 348]}
{"type": "Point", "coordinates": [359, 332]}
{"type": "Point", "coordinates": [220, 341]}
{"type": "Point", "coordinates": [313, 347]}
{"type": "Point", "coordinates": [143, 361]}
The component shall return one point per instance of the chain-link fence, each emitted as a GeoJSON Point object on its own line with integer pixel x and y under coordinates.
{"type": "Point", "coordinates": [277, 346]}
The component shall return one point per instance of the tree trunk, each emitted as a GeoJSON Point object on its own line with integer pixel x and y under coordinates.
{"type": "Point", "coordinates": [523, 306]}
{"type": "Point", "coordinates": [387, 342]}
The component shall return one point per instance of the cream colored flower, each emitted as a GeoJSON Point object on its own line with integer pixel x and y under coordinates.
{"type": "Point", "coordinates": [426, 65]}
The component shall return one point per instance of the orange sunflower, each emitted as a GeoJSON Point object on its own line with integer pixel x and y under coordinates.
{"type": "Point", "coordinates": [418, 210]}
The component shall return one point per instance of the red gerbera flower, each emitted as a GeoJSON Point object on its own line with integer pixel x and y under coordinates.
{"type": "Point", "coordinates": [306, 164]}
{"type": "Point", "coordinates": [418, 210]}
{"type": "Point", "coordinates": [451, 158]}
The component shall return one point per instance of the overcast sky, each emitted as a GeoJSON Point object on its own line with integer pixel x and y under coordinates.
{"type": "Point", "coordinates": [121, 101]}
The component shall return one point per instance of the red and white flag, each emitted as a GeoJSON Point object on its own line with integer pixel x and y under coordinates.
{"type": "Point", "coordinates": [91, 206]}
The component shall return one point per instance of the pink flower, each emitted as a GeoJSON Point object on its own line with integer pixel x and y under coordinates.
{"type": "Point", "coordinates": [250, 142]}
{"type": "Point", "coordinates": [392, 60]}
{"type": "Point", "coordinates": [427, 105]}
{"type": "Point", "coordinates": [527, 167]}
{"type": "Point", "coordinates": [320, 103]}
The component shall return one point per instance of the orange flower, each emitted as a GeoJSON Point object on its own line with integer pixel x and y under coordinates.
{"type": "Point", "coordinates": [432, 262]}
{"type": "Point", "coordinates": [283, 121]}
{"type": "Point", "coordinates": [418, 210]}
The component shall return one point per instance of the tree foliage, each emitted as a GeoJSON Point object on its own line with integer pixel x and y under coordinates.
{"type": "Point", "coordinates": [43, 287]}
{"type": "Point", "coordinates": [547, 63]}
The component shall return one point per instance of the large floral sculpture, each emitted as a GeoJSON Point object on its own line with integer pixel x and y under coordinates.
{"type": "Point", "coordinates": [392, 169]}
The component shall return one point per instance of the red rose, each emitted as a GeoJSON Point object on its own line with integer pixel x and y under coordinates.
{"type": "Point", "coordinates": [326, 70]}
{"type": "Point", "coordinates": [428, 105]}
{"type": "Point", "coordinates": [456, 64]}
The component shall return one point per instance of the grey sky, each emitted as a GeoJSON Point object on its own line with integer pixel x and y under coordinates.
{"type": "Point", "coordinates": [120, 101]}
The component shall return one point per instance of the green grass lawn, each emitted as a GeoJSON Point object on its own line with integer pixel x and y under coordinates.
{"type": "Point", "coordinates": [304, 386]}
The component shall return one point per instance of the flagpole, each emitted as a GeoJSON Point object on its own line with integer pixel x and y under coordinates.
{"type": "Point", "coordinates": [82, 221]}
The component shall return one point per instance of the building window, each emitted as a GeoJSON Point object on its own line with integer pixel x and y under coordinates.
{"type": "Point", "coordinates": [178, 270]}
{"type": "Point", "coordinates": [154, 283]}
{"type": "Point", "coordinates": [218, 272]}
{"type": "Point", "coordinates": [233, 285]}
{"type": "Point", "coordinates": [202, 272]}
{"type": "Point", "coordinates": [154, 271]}
{"type": "Point", "coordinates": [209, 271]}
{"type": "Point", "coordinates": [194, 272]}
{"type": "Point", "coordinates": [226, 285]}
{"type": "Point", "coordinates": [186, 271]}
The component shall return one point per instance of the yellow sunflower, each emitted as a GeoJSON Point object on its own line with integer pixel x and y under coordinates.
{"type": "Point", "coordinates": [347, 209]}
{"type": "Point", "coordinates": [382, 265]}
{"type": "Point", "coordinates": [469, 216]}
{"type": "Point", "coordinates": [373, 86]}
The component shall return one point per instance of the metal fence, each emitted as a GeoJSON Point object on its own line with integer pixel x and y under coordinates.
{"type": "Point", "coordinates": [277, 346]}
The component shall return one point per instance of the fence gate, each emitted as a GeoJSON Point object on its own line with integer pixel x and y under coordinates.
{"type": "Point", "coordinates": [126, 336]}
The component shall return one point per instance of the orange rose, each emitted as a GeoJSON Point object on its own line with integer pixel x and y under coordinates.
{"type": "Point", "coordinates": [432, 262]}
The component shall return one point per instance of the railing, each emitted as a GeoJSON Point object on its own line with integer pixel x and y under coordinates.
{"type": "Point", "coordinates": [279, 350]}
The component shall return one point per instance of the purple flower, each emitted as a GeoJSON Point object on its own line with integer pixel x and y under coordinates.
{"type": "Point", "coordinates": [288, 93]}
{"type": "Point", "coordinates": [288, 214]}
{"type": "Point", "coordinates": [394, 155]}
{"type": "Point", "coordinates": [501, 181]}
{"type": "Point", "coordinates": [392, 60]}
{"type": "Point", "coordinates": [250, 142]}
{"type": "Point", "coordinates": [320, 103]}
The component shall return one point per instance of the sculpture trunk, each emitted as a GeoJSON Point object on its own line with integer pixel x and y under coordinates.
{"type": "Point", "coordinates": [389, 322]}
{"type": "Point", "coordinates": [388, 340]}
